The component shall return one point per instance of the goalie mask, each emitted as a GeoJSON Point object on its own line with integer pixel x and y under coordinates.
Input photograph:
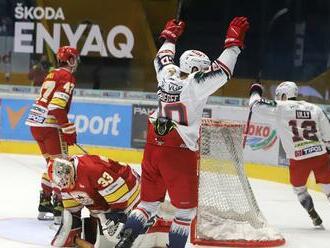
{"type": "Point", "coordinates": [286, 90]}
{"type": "Point", "coordinates": [194, 60]}
{"type": "Point", "coordinates": [61, 172]}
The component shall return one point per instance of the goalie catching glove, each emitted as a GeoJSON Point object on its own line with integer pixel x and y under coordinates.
{"type": "Point", "coordinates": [69, 133]}
{"type": "Point", "coordinates": [172, 31]}
{"type": "Point", "coordinates": [236, 32]}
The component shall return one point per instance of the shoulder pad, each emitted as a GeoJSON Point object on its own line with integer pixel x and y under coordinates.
{"type": "Point", "coordinates": [264, 101]}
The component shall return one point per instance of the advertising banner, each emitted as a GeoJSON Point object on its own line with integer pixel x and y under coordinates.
{"type": "Point", "coordinates": [97, 124]}
{"type": "Point", "coordinates": [13, 115]}
{"type": "Point", "coordinates": [140, 113]}
{"type": "Point", "coordinates": [102, 124]}
{"type": "Point", "coordinates": [262, 143]}
{"type": "Point", "coordinates": [282, 159]}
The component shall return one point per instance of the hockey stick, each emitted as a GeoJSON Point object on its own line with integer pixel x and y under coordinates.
{"type": "Point", "coordinates": [265, 42]}
{"type": "Point", "coordinates": [81, 148]}
{"type": "Point", "coordinates": [178, 10]}
{"type": "Point", "coordinates": [177, 19]}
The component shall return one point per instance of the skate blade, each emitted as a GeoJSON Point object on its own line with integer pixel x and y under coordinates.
{"type": "Point", "coordinates": [45, 216]}
{"type": "Point", "coordinates": [320, 227]}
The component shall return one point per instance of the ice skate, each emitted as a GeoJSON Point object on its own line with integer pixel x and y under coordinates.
{"type": "Point", "coordinates": [317, 221]}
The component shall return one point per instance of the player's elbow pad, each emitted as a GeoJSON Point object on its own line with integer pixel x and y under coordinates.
{"type": "Point", "coordinates": [69, 230]}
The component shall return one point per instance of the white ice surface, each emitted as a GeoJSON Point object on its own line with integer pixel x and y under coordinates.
{"type": "Point", "coordinates": [20, 182]}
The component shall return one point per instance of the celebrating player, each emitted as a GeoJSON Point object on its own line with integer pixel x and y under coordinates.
{"type": "Point", "coordinates": [108, 189]}
{"type": "Point", "coordinates": [170, 156]}
{"type": "Point", "coordinates": [304, 130]}
{"type": "Point", "coordinates": [49, 123]}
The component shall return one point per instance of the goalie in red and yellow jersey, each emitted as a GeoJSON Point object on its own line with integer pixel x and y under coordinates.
{"type": "Point", "coordinates": [49, 123]}
{"type": "Point", "coordinates": [107, 188]}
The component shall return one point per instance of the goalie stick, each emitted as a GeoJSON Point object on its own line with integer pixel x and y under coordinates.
{"type": "Point", "coordinates": [81, 148]}
{"type": "Point", "coordinates": [265, 42]}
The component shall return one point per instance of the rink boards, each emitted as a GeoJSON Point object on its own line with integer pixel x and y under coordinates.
{"type": "Point", "coordinates": [254, 170]}
{"type": "Point", "coordinates": [113, 123]}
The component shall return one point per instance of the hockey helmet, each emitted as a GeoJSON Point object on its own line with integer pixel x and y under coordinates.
{"type": "Point", "coordinates": [61, 172]}
{"type": "Point", "coordinates": [286, 90]}
{"type": "Point", "coordinates": [194, 60]}
{"type": "Point", "coordinates": [69, 55]}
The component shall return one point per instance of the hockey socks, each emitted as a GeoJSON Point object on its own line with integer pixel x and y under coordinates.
{"type": "Point", "coordinates": [179, 232]}
{"type": "Point", "coordinates": [135, 225]}
{"type": "Point", "coordinates": [307, 202]}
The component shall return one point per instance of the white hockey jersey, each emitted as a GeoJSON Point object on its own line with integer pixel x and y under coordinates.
{"type": "Point", "coordinates": [303, 127]}
{"type": "Point", "coordinates": [183, 99]}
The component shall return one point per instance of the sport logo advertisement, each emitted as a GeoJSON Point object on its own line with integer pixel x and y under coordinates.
{"type": "Point", "coordinates": [261, 136]}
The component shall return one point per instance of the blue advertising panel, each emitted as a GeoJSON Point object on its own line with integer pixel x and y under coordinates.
{"type": "Point", "coordinates": [13, 115]}
{"type": "Point", "coordinates": [97, 124]}
{"type": "Point", "coordinates": [102, 124]}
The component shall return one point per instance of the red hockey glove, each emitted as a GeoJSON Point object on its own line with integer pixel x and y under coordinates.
{"type": "Point", "coordinates": [69, 133]}
{"type": "Point", "coordinates": [172, 30]}
{"type": "Point", "coordinates": [256, 87]}
{"type": "Point", "coordinates": [236, 32]}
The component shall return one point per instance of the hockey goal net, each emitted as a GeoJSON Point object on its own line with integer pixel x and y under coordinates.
{"type": "Point", "coordinates": [227, 213]}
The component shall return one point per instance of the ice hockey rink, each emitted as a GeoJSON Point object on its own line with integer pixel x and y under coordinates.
{"type": "Point", "coordinates": [19, 184]}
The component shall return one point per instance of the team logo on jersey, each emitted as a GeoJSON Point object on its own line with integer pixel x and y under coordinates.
{"type": "Point", "coordinates": [303, 114]}
{"type": "Point", "coordinates": [261, 137]}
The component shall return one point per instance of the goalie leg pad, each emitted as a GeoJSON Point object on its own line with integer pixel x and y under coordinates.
{"type": "Point", "coordinates": [71, 228]}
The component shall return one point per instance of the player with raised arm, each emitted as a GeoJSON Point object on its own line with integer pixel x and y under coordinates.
{"type": "Point", "coordinates": [171, 153]}
{"type": "Point", "coordinates": [107, 188]}
{"type": "Point", "coordinates": [304, 130]}
{"type": "Point", "coordinates": [50, 126]}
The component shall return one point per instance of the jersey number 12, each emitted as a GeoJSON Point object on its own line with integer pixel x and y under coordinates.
{"type": "Point", "coordinates": [309, 130]}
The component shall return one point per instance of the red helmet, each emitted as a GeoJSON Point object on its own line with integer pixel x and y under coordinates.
{"type": "Point", "coordinates": [65, 53]}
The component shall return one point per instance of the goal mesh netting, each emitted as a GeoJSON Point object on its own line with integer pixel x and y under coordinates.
{"type": "Point", "coordinates": [227, 214]}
